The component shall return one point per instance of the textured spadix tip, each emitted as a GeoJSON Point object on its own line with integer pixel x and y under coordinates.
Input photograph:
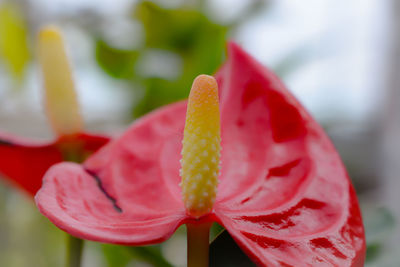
{"type": "Point", "coordinates": [201, 147]}
{"type": "Point", "coordinates": [60, 98]}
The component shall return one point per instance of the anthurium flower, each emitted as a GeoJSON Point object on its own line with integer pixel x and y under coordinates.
{"type": "Point", "coordinates": [24, 161]}
{"type": "Point", "coordinates": [282, 191]}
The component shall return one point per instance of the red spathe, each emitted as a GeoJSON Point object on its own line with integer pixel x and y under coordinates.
{"type": "Point", "coordinates": [284, 194]}
{"type": "Point", "coordinates": [24, 162]}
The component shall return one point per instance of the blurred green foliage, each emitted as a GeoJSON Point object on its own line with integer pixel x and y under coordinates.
{"type": "Point", "coordinates": [122, 256]}
{"type": "Point", "coordinates": [379, 225]}
{"type": "Point", "coordinates": [115, 256]}
{"type": "Point", "coordinates": [27, 238]}
{"type": "Point", "coordinates": [185, 33]}
{"type": "Point", "coordinates": [117, 63]}
{"type": "Point", "coordinates": [14, 49]}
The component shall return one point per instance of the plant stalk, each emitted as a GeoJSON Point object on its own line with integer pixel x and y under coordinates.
{"type": "Point", "coordinates": [74, 251]}
{"type": "Point", "coordinates": [198, 241]}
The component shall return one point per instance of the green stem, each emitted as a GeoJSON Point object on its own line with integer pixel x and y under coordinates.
{"type": "Point", "coordinates": [198, 236]}
{"type": "Point", "coordinates": [74, 251]}
{"type": "Point", "coordinates": [72, 152]}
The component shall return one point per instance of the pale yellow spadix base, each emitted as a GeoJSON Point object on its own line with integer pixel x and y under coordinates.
{"type": "Point", "coordinates": [201, 147]}
{"type": "Point", "coordinates": [61, 102]}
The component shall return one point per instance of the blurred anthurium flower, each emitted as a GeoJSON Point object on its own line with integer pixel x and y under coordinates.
{"type": "Point", "coordinates": [282, 193]}
{"type": "Point", "coordinates": [23, 161]}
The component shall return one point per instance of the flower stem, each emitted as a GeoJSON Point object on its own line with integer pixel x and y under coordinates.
{"type": "Point", "coordinates": [198, 244]}
{"type": "Point", "coordinates": [74, 251]}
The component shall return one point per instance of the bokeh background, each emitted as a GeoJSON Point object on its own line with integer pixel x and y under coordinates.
{"type": "Point", "coordinates": [340, 58]}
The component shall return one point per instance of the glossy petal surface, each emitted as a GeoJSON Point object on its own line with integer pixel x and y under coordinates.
{"type": "Point", "coordinates": [79, 204]}
{"type": "Point", "coordinates": [120, 194]}
{"type": "Point", "coordinates": [24, 162]}
{"type": "Point", "coordinates": [284, 194]}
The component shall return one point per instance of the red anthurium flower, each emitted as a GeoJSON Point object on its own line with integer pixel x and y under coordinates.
{"type": "Point", "coordinates": [24, 161]}
{"type": "Point", "coordinates": [283, 192]}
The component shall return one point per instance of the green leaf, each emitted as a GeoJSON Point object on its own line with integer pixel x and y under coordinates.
{"type": "Point", "coordinates": [159, 92]}
{"type": "Point", "coordinates": [374, 250]}
{"type": "Point", "coordinates": [170, 29]}
{"type": "Point", "coordinates": [190, 35]}
{"type": "Point", "coordinates": [121, 256]}
{"type": "Point", "coordinates": [215, 231]}
{"type": "Point", "coordinates": [149, 254]}
{"type": "Point", "coordinates": [225, 252]}
{"type": "Point", "coordinates": [196, 42]}
{"type": "Point", "coordinates": [116, 255]}
{"type": "Point", "coordinates": [117, 63]}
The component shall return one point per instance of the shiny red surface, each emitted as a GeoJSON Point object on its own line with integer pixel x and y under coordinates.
{"type": "Point", "coordinates": [23, 162]}
{"type": "Point", "coordinates": [284, 194]}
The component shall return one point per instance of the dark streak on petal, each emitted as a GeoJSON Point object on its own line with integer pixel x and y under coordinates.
{"type": "Point", "coordinates": [245, 200]}
{"type": "Point", "coordinates": [103, 190]}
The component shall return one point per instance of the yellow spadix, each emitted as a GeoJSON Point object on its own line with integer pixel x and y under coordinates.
{"type": "Point", "coordinates": [201, 147]}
